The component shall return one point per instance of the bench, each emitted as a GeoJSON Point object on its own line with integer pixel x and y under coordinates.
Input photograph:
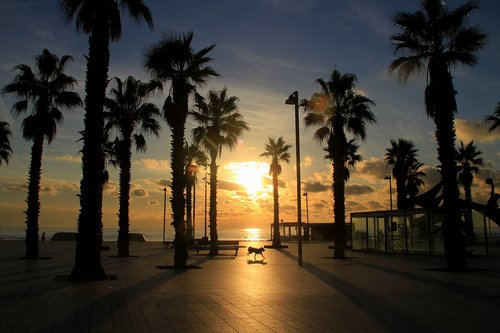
{"type": "Point", "coordinates": [233, 245]}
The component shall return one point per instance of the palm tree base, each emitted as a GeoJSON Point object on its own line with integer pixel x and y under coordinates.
{"type": "Point", "coordinates": [84, 275]}
{"type": "Point", "coordinates": [180, 256]}
{"type": "Point", "coordinates": [456, 262]}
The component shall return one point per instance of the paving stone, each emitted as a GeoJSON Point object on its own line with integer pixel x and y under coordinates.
{"type": "Point", "coordinates": [363, 293]}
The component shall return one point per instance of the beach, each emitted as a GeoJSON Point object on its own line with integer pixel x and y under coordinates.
{"type": "Point", "coordinates": [363, 293]}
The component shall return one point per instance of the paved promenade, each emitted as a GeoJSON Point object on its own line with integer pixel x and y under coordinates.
{"type": "Point", "coordinates": [364, 293]}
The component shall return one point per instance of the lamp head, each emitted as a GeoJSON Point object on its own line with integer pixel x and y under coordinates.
{"type": "Point", "coordinates": [387, 177]}
{"type": "Point", "coordinates": [293, 99]}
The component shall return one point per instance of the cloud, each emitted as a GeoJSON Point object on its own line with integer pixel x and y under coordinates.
{"type": "Point", "coordinates": [315, 187]}
{"type": "Point", "coordinates": [49, 186]}
{"type": "Point", "coordinates": [153, 202]}
{"type": "Point", "coordinates": [164, 182]}
{"type": "Point", "coordinates": [358, 189]}
{"type": "Point", "coordinates": [372, 170]}
{"type": "Point", "coordinates": [156, 165]}
{"type": "Point", "coordinates": [307, 162]}
{"type": "Point", "coordinates": [468, 130]}
{"type": "Point", "coordinates": [139, 193]}
{"type": "Point", "coordinates": [229, 186]}
{"type": "Point", "coordinates": [65, 158]}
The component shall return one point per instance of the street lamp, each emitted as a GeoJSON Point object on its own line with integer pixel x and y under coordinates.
{"type": "Point", "coordinates": [164, 210]}
{"type": "Point", "coordinates": [293, 99]}
{"type": "Point", "coordinates": [390, 188]}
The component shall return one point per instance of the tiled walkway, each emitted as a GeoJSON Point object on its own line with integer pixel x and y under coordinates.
{"type": "Point", "coordinates": [364, 293]}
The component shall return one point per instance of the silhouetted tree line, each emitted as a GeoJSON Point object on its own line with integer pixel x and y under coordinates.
{"type": "Point", "coordinates": [435, 38]}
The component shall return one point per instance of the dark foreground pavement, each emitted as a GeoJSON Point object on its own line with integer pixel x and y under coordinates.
{"type": "Point", "coordinates": [364, 293]}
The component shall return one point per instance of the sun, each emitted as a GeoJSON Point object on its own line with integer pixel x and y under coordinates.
{"type": "Point", "coordinates": [251, 176]}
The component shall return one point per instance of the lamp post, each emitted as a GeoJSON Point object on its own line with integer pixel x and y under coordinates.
{"type": "Point", "coordinates": [164, 210]}
{"type": "Point", "coordinates": [293, 99]}
{"type": "Point", "coordinates": [390, 188]}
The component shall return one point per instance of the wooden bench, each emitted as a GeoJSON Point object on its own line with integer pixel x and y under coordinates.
{"type": "Point", "coordinates": [233, 245]}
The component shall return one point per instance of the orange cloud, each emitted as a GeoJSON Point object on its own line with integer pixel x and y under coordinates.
{"type": "Point", "coordinates": [468, 130]}
{"type": "Point", "coordinates": [150, 164]}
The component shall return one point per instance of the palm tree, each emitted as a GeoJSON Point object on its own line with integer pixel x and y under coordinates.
{"type": "Point", "coordinates": [102, 22]}
{"type": "Point", "coordinates": [494, 119]}
{"type": "Point", "coordinates": [47, 89]}
{"type": "Point", "coordinates": [195, 157]}
{"type": "Point", "coordinates": [414, 182]}
{"type": "Point", "coordinates": [5, 148]}
{"type": "Point", "coordinates": [468, 161]}
{"type": "Point", "coordinates": [173, 59]}
{"type": "Point", "coordinates": [438, 38]}
{"type": "Point", "coordinates": [351, 157]}
{"type": "Point", "coordinates": [220, 125]}
{"type": "Point", "coordinates": [129, 114]}
{"type": "Point", "coordinates": [278, 151]}
{"type": "Point", "coordinates": [335, 110]}
{"type": "Point", "coordinates": [402, 156]}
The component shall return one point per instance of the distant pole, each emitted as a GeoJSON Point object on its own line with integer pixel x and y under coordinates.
{"type": "Point", "coordinates": [164, 210]}
{"type": "Point", "coordinates": [293, 99]}
{"type": "Point", "coordinates": [390, 188]}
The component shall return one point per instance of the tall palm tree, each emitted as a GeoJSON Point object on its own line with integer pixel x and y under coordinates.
{"type": "Point", "coordinates": [402, 156]}
{"type": "Point", "coordinates": [173, 59]}
{"type": "Point", "coordinates": [220, 125]}
{"type": "Point", "coordinates": [351, 157]}
{"type": "Point", "coordinates": [5, 148]}
{"type": "Point", "coordinates": [278, 151]}
{"type": "Point", "coordinates": [45, 90]}
{"type": "Point", "coordinates": [195, 157]}
{"type": "Point", "coordinates": [102, 22]}
{"type": "Point", "coordinates": [414, 182]}
{"type": "Point", "coordinates": [438, 39]}
{"type": "Point", "coordinates": [468, 162]}
{"type": "Point", "coordinates": [336, 110]}
{"type": "Point", "coordinates": [494, 119]}
{"type": "Point", "coordinates": [130, 115]}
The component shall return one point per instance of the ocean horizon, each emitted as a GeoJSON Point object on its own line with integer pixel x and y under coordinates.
{"type": "Point", "coordinates": [151, 235]}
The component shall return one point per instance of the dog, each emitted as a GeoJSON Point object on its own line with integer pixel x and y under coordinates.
{"type": "Point", "coordinates": [255, 251]}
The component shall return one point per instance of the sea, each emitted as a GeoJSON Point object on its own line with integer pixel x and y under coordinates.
{"type": "Point", "coordinates": [153, 235]}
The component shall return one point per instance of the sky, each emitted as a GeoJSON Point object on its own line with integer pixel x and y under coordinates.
{"type": "Point", "coordinates": [265, 50]}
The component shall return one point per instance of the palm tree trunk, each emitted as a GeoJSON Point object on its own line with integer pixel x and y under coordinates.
{"type": "Point", "coordinates": [340, 237]}
{"type": "Point", "coordinates": [180, 97]}
{"type": "Point", "coordinates": [88, 256]}
{"type": "Point", "coordinates": [440, 97]}
{"type": "Point", "coordinates": [276, 225]}
{"type": "Point", "coordinates": [123, 214]}
{"type": "Point", "coordinates": [189, 219]}
{"type": "Point", "coordinates": [214, 238]}
{"type": "Point", "coordinates": [400, 190]}
{"type": "Point", "coordinates": [33, 210]}
{"type": "Point", "coordinates": [469, 224]}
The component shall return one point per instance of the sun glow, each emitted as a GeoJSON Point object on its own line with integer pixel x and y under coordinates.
{"type": "Point", "coordinates": [250, 175]}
